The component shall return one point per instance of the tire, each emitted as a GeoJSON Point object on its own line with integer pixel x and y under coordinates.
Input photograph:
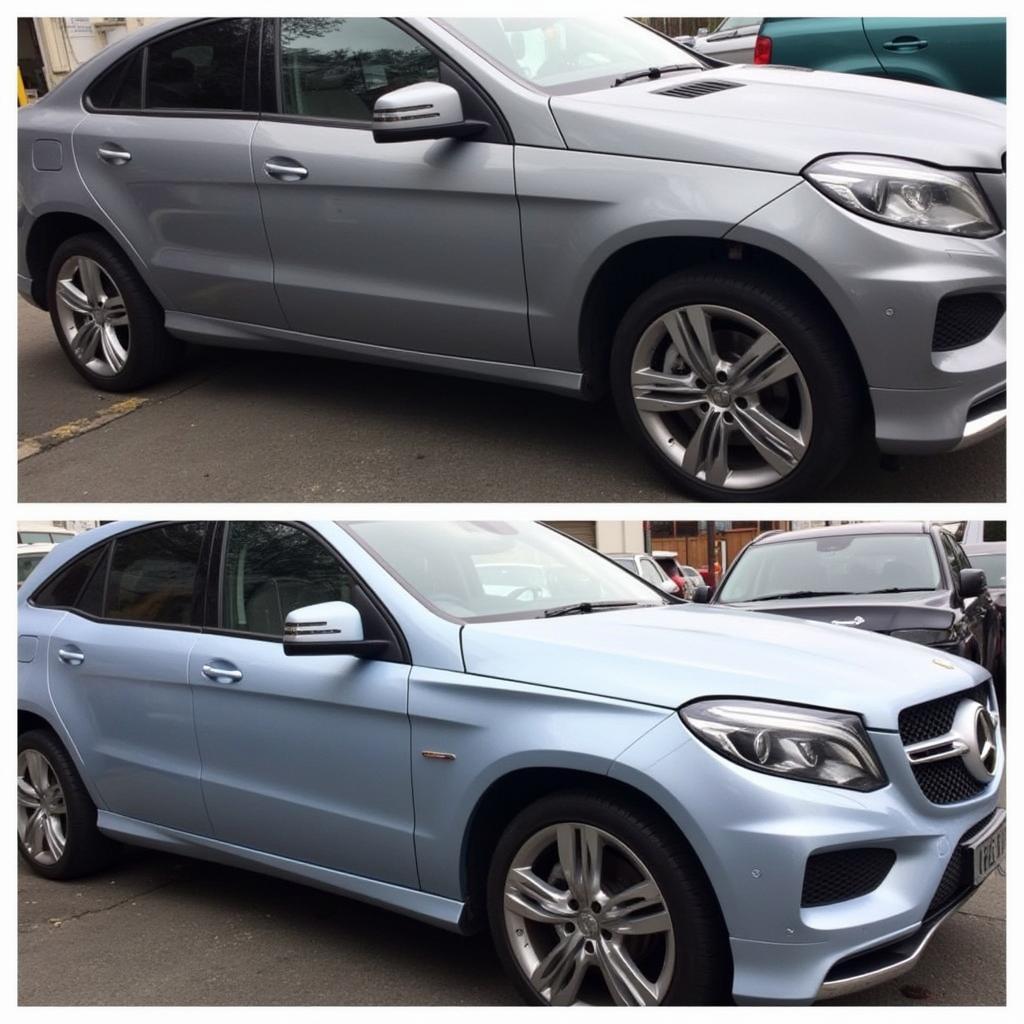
{"type": "Point", "coordinates": [694, 952]}
{"type": "Point", "coordinates": [140, 350]}
{"type": "Point", "coordinates": [85, 848]}
{"type": "Point", "coordinates": [823, 400]}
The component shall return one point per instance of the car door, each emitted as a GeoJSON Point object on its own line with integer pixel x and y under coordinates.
{"type": "Point", "coordinates": [966, 54]}
{"type": "Point", "coordinates": [409, 245]}
{"type": "Point", "coordinates": [303, 757]}
{"type": "Point", "coordinates": [118, 671]}
{"type": "Point", "coordinates": [163, 147]}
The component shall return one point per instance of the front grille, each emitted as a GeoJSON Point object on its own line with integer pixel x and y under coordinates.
{"type": "Point", "coordinates": [963, 320]}
{"type": "Point", "coordinates": [958, 878]}
{"type": "Point", "coordinates": [947, 782]}
{"type": "Point", "coordinates": [845, 874]}
{"type": "Point", "coordinates": [935, 717]}
{"type": "Point", "coordinates": [942, 782]}
{"type": "Point", "coordinates": [695, 89]}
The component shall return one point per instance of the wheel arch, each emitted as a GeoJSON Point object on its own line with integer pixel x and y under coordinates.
{"type": "Point", "coordinates": [51, 229]}
{"type": "Point", "coordinates": [511, 793]}
{"type": "Point", "coordinates": [634, 267]}
{"type": "Point", "coordinates": [30, 720]}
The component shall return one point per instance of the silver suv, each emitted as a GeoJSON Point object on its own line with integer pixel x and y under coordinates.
{"type": "Point", "coordinates": [758, 263]}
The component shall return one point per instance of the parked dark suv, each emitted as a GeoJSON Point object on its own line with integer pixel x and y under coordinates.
{"type": "Point", "coordinates": [908, 580]}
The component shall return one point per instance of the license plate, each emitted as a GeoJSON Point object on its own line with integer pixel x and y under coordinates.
{"type": "Point", "coordinates": [989, 853]}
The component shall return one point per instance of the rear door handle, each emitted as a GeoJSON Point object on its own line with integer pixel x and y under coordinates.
{"type": "Point", "coordinates": [114, 154]}
{"type": "Point", "coordinates": [905, 44]}
{"type": "Point", "coordinates": [71, 655]}
{"type": "Point", "coordinates": [283, 168]}
{"type": "Point", "coordinates": [221, 671]}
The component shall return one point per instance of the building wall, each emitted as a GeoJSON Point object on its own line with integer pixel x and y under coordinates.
{"type": "Point", "coordinates": [66, 43]}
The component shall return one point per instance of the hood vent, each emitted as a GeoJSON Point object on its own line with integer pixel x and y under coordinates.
{"type": "Point", "coordinates": [694, 89]}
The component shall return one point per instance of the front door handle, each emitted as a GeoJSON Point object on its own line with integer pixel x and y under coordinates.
{"type": "Point", "coordinates": [114, 154]}
{"type": "Point", "coordinates": [71, 655]}
{"type": "Point", "coordinates": [221, 671]}
{"type": "Point", "coordinates": [905, 44]}
{"type": "Point", "coordinates": [283, 168]}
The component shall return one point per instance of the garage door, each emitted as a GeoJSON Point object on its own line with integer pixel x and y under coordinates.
{"type": "Point", "coordinates": [581, 530]}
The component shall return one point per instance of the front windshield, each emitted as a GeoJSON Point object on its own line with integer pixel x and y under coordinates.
{"type": "Point", "coordinates": [993, 566]}
{"type": "Point", "coordinates": [497, 570]}
{"type": "Point", "coordinates": [866, 564]}
{"type": "Point", "coordinates": [560, 54]}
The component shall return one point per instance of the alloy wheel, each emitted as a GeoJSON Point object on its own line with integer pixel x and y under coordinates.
{"type": "Point", "coordinates": [93, 316]}
{"type": "Point", "coordinates": [42, 809]}
{"type": "Point", "coordinates": [586, 920]}
{"type": "Point", "coordinates": [721, 396]}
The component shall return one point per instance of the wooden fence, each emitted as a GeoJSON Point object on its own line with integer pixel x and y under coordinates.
{"type": "Point", "coordinates": [680, 26]}
{"type": "Point", "coordinates": [694, 550]}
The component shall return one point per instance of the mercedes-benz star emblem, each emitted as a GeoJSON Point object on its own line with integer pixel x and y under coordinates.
{"type": "Point", "coordinates": [972, 738]}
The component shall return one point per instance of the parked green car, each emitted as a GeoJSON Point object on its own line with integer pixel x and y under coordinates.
{"type": "Point", "coordinates": [965, 54]}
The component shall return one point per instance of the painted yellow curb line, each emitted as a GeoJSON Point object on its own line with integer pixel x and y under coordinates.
{"type": "Point", "coordinates": [41, 442]}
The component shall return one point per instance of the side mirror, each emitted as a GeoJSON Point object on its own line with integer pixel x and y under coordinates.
{"type": "Point", "coordinates": [702, 595]}
{"type": "Point", "coordinates": [703, 31]}
{"type": "Point", "coordinates": [426, 110]}
{"type": "Point", "coordinates": [334, 627]}
{"type": "Point", "coordinates": [668, 587]}
{"type": "Point", "coordinates": [972, 583]}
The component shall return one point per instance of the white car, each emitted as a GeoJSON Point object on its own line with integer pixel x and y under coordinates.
{"type": "Point", "coordinates": [646, 567]}
{"type": "Point", "coordinates": [29, 556]}
{"type": "Point", "coordinates": [732, 40]}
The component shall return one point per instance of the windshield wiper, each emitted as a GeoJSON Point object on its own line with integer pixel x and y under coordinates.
{"type": "Point", "coordinates": [655, 73]}
{"type": "Point", "coordinates": [586, 607]}
{"type": "Point", "coordinates": [795, 594]}
{"type": "Point", "coordinates": [897, 590]}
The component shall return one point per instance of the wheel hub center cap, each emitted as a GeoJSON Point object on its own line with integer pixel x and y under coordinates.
{"type": "Point", "coordinates": [720, 396]}
{"type": "Point", "coordinates": [588, 925]}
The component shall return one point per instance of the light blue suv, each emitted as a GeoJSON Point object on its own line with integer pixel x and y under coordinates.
{"type": "Point", "coordinates": [644, 801]}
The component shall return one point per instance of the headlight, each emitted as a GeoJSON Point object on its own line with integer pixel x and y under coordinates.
{"type": "Point", "coordinates": [906, 194]}
{"type": "Point", "coordinates": [809, 744]}
{"type": "Point", "coordinates": [929, 637]}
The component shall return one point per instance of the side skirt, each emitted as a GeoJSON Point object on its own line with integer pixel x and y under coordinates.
{"type": "Point", "coordinates": [424, 906]}
{"type": "Point", "coordinates": [208, 330]}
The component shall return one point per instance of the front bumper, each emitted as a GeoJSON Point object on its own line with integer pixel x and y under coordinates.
{"type": "Point", "coordinates": [753, 834]}
{"type": "Point", "coordinates": [890, 960]}
{"type": "Point", "coordinates": [885, 285]}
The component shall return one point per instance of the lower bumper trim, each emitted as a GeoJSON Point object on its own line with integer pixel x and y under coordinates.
{"type": "Point", "coordinates": [983, 421]}
{"type": "Point", "coordinates": [875, 966]}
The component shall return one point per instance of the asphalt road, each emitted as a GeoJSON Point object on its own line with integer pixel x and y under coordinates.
{"type": "Point", "coordinates": [161, 930]}
{"type": "Point", "coordinates": [247, 426]}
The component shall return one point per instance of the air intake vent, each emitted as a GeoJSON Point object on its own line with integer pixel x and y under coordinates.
{"type": "Point", "coordinates": [694, 89]}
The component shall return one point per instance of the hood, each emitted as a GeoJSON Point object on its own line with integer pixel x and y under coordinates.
{"type": "Point", "coordinates": [881, 613]}
{"type": "Point", "coordinates": [780, 119]}
{"type": "Point", "coordinates": [674, 654]}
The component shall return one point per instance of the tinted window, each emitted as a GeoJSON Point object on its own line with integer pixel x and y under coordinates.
{"type": "Point", "coordinates": [338, 67]}
{"type": "Point", "coordinates": [63, 590]}
{"type": "Point", "coordinates": [153, 574]}
{"type": "Point", "coordinates": [201, 68]}
{"type": "Point", "coordinates": [121, 87]}
{"type": "Point", "coordinates": [270, 569]}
